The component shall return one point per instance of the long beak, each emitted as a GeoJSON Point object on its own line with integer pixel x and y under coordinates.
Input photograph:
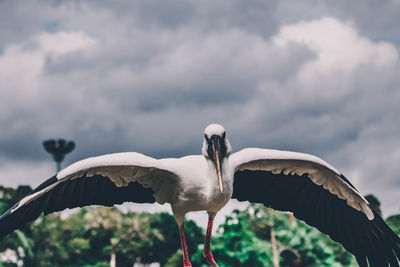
{"type": "Point", "coordinates": [218, 166]}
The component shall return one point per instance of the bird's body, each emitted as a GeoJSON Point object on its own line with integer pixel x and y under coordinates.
{"type": "Point", "coordinates": [200, 188]}
{"type": "Point", "coordinates": [198, 185]}
{"type": "Point", "coordinates": [192, 187]}
{"type": "Point", "coordinates": [304, 184]}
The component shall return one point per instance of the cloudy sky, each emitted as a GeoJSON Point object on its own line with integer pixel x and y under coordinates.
{"type": "Point", "coordinates": [311, 76]}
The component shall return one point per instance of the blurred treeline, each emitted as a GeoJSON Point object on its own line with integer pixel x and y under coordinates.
{"type": "Point", "coordinates": [98, 236]}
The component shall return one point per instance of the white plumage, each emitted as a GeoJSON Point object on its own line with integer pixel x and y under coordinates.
{"type": "Point", "coordinates": [284, 180]}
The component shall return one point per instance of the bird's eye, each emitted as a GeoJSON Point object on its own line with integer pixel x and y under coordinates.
{"type": "Point", "coordinates": [205, 136]}
{"type": "Point", "coordinates": [223, 135]}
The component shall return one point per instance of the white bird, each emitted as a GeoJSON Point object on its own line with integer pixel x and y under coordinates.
{"type": "Point", "coordinates": [304, 184]}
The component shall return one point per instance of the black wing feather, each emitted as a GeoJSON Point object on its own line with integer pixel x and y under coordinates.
{"type": "Point", "coordinates": [78, 192]}
{"type": "Point", "coordinates": [371, 241]}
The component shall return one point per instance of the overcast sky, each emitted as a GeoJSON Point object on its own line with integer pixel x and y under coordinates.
{"type": "Point", "coordinates": [321, 77]}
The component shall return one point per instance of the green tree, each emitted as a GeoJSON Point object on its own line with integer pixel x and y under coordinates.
{"type": "Point", "coordinates": [148, 238]}
{"type": "Point", "coordinates": [101, 226]}
{"type": "Point", "coordinates": [9, 196]}
{"type": "Point", "coordinates": [237, 244]}
{"type": "Point", "coordinates": [19, 241]}
{"type": "Point", "coordinates": [170, 244]}
{"type": "Point", "coordinates": [394, 222]}
{"type": "Point", "coordinates": [60, 242]}
{"type": "Point", "coordinates": [259, 236]}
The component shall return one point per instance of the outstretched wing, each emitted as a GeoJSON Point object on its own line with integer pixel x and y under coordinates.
{"type": "Point", "coordinates": [104, 180]}
{"type": "Point", "coordinates": [318, 194]}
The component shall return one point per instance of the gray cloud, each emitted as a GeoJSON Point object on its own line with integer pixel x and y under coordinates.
{"type": "Point", "coordinates": [124, 77]}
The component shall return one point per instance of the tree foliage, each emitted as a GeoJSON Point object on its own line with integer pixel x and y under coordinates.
{"type": "Point", "coordinates": [98, 236]}
{"type": "Point", "coordinates": [257, 235]}
{"type": "Point", "coordinates": [394, 222]}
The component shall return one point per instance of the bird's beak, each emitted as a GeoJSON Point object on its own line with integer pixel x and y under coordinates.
{"type": "Point", "coordinates": [217, 162]}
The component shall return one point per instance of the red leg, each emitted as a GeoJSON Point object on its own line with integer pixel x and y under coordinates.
{"type": "Point", "coordinates": [186, 261]}
{"type": "Point", "coordinates": [207, 244]}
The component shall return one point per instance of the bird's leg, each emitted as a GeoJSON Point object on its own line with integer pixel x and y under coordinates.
{"type": "Point", "coordinates": [207, 243]}
{"type": "Point", "coordinates": [186, 261]}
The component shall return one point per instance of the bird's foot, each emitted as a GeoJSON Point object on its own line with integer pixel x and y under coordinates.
{"type": "Point", "coordinates": [186, 263]}
{"type": "Point", "coordinates": [209, 258]}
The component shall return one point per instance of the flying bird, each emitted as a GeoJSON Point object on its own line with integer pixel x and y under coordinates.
{"type": "Point", "coordinates": [300, 183]}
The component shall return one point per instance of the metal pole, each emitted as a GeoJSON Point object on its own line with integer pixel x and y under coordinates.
{"type": "Point", "coordinates": [58, 149]}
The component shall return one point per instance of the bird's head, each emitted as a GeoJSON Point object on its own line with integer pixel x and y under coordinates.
{"type": "Point", "coordinates": [216, 147]}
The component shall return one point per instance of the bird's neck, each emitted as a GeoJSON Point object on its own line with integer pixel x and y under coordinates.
{"type": "Point", "coordinates": [227, 176]}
